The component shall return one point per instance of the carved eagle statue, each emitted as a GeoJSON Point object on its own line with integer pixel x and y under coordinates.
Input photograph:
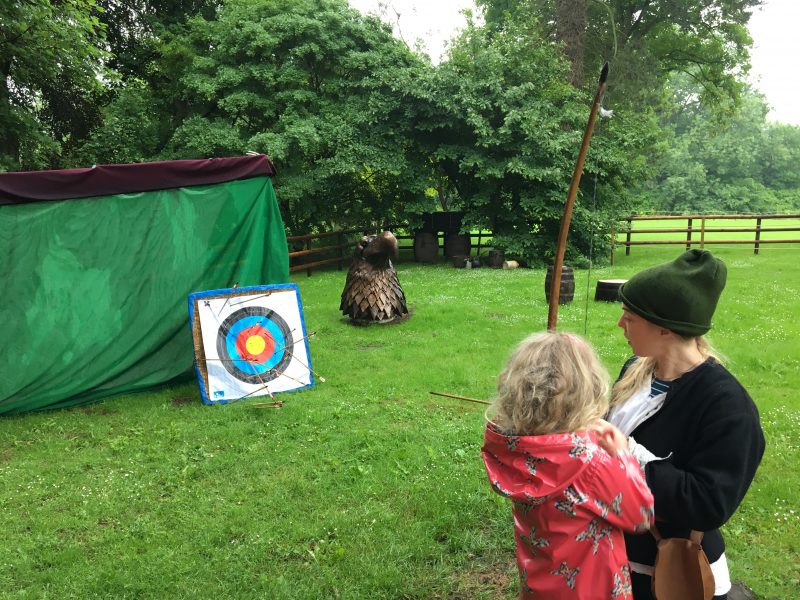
{"type": "Point", "coordinates": [372, 292]}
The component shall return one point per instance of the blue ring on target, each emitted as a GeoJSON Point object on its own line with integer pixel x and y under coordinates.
{"type": "Point", "coordinates": [248, 371]}
{"type": "Point", "coordinates": [251, 367]}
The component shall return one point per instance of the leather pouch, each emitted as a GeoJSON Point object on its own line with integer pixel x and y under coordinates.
{"type": "Point", "coordinates": [682, 571]}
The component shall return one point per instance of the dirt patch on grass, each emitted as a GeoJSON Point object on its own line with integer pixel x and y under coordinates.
{"type": "Point", "coordinates": [497, 316]}
{"type": "Point", "coordinates": [485, 574]}
{"type": "Point", "coordinates": [181, 400]}
{"type": "Point", "coordinates": [370, 346]}
{"type": "Point", "coordinates": [96, 409]}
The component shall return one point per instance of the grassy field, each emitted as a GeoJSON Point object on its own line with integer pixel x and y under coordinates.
{"type": "Point", "coordinates": [365, 486]}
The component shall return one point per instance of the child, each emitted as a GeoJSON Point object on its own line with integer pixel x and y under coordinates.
{"type": "Point", "coordinates": [571, 499]}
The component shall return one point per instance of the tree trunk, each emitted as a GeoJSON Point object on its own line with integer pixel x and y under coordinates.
{"type": "Point", "coordinates": [441, 190]}
{"type": "Point", "coordinates": [9, 141]}
{"type": "Point", "coordinates": [571, 31]}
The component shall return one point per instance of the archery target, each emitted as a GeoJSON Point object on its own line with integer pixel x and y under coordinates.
{"type": "Point", "coordinates": [253, 342]}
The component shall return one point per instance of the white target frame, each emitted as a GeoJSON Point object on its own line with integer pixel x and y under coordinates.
{"type": "Point", "coordinates": [249, 342]}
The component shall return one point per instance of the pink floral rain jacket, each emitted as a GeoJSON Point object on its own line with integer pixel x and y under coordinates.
{"type": "Point", "coordinates": [571, 502]}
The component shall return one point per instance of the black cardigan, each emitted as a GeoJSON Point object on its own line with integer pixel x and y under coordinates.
{"type": "Point", "coordinates": [709, 433]}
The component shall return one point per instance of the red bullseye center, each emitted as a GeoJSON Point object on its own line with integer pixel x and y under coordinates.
{"type": "Point", "coordinates": [255, 344]}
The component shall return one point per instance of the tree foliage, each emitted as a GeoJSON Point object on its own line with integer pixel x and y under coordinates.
{"type": "Point", "coordinates": [746, 165]}
{"type": "Point", "coordinates": [50, 64]}
{"type": "Point", "coordinates": [311, 85]}
{"type": "Point", "coordinates": [135, 30]}
{"type": "Point", "coordinates": [647, 41]}
{"type": "Point", "coordinates": [364, 130]}
{"type": "Point", "coordinates": [503, 125]}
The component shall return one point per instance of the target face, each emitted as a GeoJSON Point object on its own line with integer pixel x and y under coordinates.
{"type": "Point", "coordinates": [254, 344]}
{"type": "Point", "coordinates": [253, 340]}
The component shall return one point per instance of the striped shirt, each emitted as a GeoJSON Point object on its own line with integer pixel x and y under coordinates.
{"type": "Point", "coordinates": [659, 386]}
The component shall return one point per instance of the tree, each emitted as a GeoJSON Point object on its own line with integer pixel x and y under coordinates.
{"type": "Point", "coordinates": [781, 164]}
{"type": "Point", "coordinates": [312, 84]}
{"type": "Point", "coordinates": [135, 30]}
{"type": "Point", "coordinates": [646, 41]}
{"type": "Point", "coordinates": [502, 123]}
{"type": "Point", "coordinates": [133, 127]}
{"type": "Point", "coordinates": [744, 165]}
{"type": "Point", "coordinates": [571, 33]}
{"type": "Point", "coordinates": [142, 100]}
{"type": "Point", "coordinates": [50, 86]}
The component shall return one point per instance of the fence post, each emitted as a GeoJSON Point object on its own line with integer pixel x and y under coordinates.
{"type": "Point", "coordinates": [613, 242]}
{"type": "Point", "coordinates": [628, 237]}
{"type": "Point", "coordinates": [702, 233]}
{"type": "Point", "coordinates": [758, 234]}
{"type": "Point", "coordinates": [307, 246]}
{"type": "Point", "coordinates": [340, 242]}
{"type": "Point", "coordinates": [689, 235]}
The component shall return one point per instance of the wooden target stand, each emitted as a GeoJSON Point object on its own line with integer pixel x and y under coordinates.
{"type": "Point", "coordinates": [607, 290]}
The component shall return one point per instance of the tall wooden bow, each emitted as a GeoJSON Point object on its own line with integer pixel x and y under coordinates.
{"type": "Point", "coordinates": [561, 247]}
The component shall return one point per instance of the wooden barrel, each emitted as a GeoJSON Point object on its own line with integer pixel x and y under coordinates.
{"type": "Point", "coordinates": [566, 291]}
{"type": "Point", "coordinates": [426, 247]}
{"type": "Point", "coordinates": [496, 258]}
{"type": "Point", "coordinates": [607, 290]}
{"type": "Point", "coordinates": [456, 244]}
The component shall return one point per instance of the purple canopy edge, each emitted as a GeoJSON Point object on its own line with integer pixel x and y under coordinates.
{"type": "Point", "coordinates": [106, 180]}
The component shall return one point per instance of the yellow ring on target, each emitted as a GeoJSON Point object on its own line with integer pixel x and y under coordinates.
{"type": "Point", "coordinates": [255, 345]}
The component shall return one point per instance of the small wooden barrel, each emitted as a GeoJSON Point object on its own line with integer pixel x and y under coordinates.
{"type": "Point", "coordinates": [460, 261]}
{"type": "Point", "coordinates": [566, 291]}
{"type": "Point", "coordinates": [607, 290]}
{"type": "Point", "coordinates": [426, 247]}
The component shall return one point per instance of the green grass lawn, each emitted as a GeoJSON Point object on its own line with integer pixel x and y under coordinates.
{"type": "Point", "coordinates": [365, 486]}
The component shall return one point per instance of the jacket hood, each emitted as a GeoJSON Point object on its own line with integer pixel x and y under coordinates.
{"type": "Point", "coordinates": [534, 467]}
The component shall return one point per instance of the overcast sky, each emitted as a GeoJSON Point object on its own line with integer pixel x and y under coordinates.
{"type": "Point", "coordinates": [775, 55]}
{"type": "Point", "coordinates": [774, 28]}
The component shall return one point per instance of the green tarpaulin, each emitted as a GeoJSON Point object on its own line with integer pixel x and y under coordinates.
{"type": "Point", "coordinates": [94, 287]}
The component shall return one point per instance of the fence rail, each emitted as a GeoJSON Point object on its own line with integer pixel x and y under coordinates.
{"type": "Point", "coordinates": [691, 228]}
{"type": "Point", "coordinates": [339, 252]}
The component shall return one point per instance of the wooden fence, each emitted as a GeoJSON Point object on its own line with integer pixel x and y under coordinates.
{"type": "Point", "coordinates": [337, 250]}
{"type": "Point", "coordinates": [314, 250]}
{"type": "Point", "coordinates": [697, 224]}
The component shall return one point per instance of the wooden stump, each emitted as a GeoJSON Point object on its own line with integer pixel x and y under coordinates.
{"type": "Point", "coordinates": [607, 290]}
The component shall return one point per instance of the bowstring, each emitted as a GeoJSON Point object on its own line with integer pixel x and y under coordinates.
{"type": "Point", "coordinates": [591, 240]}
{"type": "Point", "coordinates": [591, 258]}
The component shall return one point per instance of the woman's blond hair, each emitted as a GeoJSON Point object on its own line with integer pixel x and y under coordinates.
{"type": "Point", "coordinates": [641, 372]}
{"type": "Point", "coordinates": [553, 383]}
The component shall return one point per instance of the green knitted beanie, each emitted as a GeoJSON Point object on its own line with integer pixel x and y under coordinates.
{"type": "Point", "coordinates": [680, 295]}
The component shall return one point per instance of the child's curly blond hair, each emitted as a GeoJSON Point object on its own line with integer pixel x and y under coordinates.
{"type": "Point", "coordinates": [553, 383]}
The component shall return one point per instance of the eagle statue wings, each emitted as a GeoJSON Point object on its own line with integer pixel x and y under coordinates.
{"type": "Point", "coordinates": [372, 292]}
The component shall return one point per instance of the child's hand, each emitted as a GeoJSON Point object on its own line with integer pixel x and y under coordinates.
{"type": "Point", "coordinates": [609, 438]}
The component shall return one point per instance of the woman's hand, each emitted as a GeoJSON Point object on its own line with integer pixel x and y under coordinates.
{"type": "Point", "coordinates": [609, 438]}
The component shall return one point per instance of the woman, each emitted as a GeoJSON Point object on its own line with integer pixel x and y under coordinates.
{"type": "Point", "coordinates": [691, 425]}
